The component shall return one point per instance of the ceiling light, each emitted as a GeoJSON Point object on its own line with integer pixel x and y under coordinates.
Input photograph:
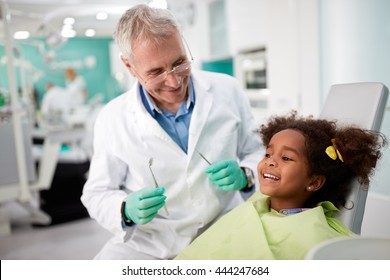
{"type": "Point", "coordinates": [20, 35]}
{"type": "Point", "coordinates": [69, 21]}
{"type": "Point", "coordinates": [90, 32]}
{"type": "Point", "coordinates": [101, 16]}
{"type": "Point", "coordinates": [68, 31]}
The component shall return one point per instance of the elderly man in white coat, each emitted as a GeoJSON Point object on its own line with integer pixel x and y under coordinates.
{"type": "Point", "coordinates": [171, 154]}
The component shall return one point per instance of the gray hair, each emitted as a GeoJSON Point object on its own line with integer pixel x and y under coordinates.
{"type": "Point", "coordinates": [142, 23]}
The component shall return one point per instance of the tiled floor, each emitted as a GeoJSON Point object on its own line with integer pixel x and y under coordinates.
{"type": "Point", "coordinates": [76, 240]}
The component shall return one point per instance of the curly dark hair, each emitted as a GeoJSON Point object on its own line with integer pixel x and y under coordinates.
{"type": "Point", "coordinates": [360, 149]}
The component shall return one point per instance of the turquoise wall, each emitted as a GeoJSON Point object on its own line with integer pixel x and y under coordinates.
{"type": "Point", "coordinates": [90, 58]}
{"type": "Point", "coordinates": [221, 66]}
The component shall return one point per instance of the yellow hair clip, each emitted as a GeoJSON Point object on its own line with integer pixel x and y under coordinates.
{"type": "Point", "coordinates": [333, 152]}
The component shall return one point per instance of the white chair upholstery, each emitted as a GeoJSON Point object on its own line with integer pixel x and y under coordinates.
{"type": "Point", "coordinates": [362, 104]}
{"type": "Point", "coordinates": [351, 248]}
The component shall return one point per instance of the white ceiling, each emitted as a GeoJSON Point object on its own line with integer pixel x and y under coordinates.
{"type": "Point", "coordinates": [39, 16]}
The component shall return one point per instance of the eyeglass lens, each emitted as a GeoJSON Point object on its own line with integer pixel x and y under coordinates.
{"type": "Point", "coordinates": [175, 70]}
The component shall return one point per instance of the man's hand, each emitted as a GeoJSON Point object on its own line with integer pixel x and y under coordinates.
{"type": "Point", "coordinates": [227, 175]}
{"type": "Point", "coordinates": [142, 206]}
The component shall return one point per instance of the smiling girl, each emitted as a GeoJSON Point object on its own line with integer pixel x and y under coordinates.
{"type": "Point", "coordinates": [304, 178]}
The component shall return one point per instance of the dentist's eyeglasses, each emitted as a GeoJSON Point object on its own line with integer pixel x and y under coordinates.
{"type": "Point", "coordinates": [177, 70]}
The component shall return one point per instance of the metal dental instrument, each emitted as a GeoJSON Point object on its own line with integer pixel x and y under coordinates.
{"type": "Point", "coordinates": [155, 182]}
{"type": "Point", "coordinates": [203, 157]}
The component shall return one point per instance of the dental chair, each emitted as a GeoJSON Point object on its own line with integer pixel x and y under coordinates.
{"type": "Point", "coordinates": [352, 248]}
{"type": "Point", "coordinates": [361, 104]}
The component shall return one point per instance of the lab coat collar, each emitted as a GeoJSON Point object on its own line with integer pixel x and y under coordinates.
{"type": "Point", "coordinates": [147, 124]}
{"type": "Point", "coordinates": [204, 103]}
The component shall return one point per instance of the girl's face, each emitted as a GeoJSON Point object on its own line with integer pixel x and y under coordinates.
{"type": "Point", "coordinates": [283, 172]}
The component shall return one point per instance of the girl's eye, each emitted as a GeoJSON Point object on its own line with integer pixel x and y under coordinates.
{"type": "Point", "coordinates": [286, 158]}
{"type": "Point", "coordinates": [267, 155]}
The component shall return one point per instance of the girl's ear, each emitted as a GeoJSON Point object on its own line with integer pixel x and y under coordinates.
{"type": "Point", "coordinates": [316, 183]}
{"type": "Point", "coordinates": [128, 65]}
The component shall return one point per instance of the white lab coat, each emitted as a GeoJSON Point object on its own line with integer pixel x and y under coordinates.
{"type": "Point", "coordinates": [77, 89]}
{"type": "Point", "coordinates": [126, 137]}
{"type": "Point", "coordinates": [56, 100]}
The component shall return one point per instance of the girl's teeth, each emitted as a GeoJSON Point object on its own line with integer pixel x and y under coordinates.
{"type": "Point", "coordinates": [269, 176]}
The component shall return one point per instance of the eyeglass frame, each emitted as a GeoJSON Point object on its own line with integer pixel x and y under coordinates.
{"type": "Point", "coordinates": [175, 70]}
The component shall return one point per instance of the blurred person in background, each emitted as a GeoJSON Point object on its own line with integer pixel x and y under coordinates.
{"type": "Point", "coordinates": [56, 101]}
{"type": "Point", "coordinates": [76, 85]}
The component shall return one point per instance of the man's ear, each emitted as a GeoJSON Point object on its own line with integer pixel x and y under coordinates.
{"type": "Point", "coordinates": [316, 183]}
{"type": "Point", "coordinates": [127, 64]}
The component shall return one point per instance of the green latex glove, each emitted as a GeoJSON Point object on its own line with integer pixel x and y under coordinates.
{"type": "Point", "coordinates": [142, 206]}
{"type": "Point", "coordinates": [227, 175]}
